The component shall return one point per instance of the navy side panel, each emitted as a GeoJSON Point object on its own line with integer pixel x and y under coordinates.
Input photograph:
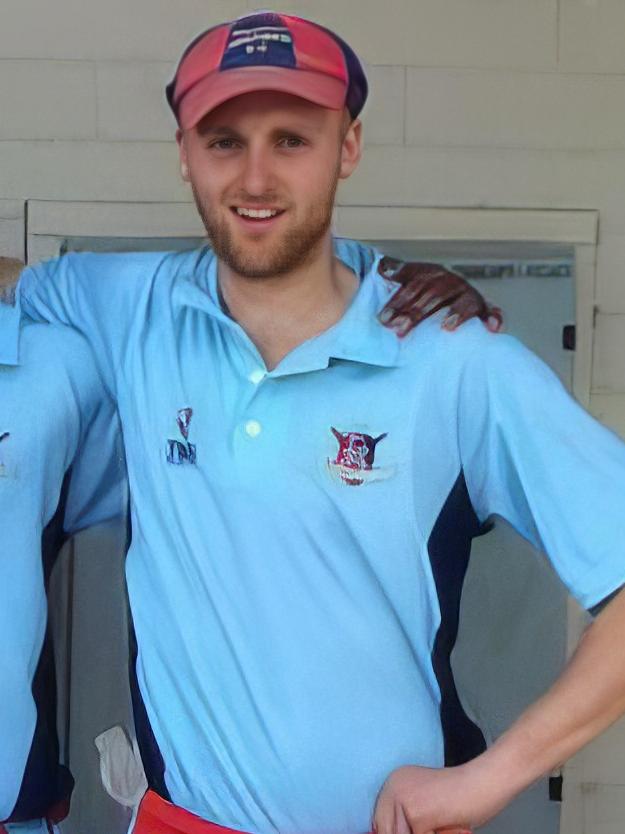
{"type": "Point", "coordinates": [449, 547]}
{"type": "Point", "coordinates": [151, 756]}
{"type": "Point", "coordinates": [47, 785]}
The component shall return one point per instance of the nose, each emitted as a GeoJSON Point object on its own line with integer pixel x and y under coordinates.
{"type": "Point", "coordinates": [257, 173]}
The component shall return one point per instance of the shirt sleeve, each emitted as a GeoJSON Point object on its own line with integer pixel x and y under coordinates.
{"type": "Point", "coordinates": [531, 454]}
{"type": "Point", "coordinates": [98, 295]}
{"type": "Point", "coordinates": [98, 487]}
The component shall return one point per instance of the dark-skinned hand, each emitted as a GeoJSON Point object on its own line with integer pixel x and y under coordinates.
{"type": "Point", "coordinates": [425, 288]}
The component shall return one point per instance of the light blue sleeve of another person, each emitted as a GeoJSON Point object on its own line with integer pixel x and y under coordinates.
{"type": "Point", "coordinates": [534, 456]}
{"type": "Point", "coordinates": [97, 295]}
{"type": "Point", "coordinates": [98, 487]}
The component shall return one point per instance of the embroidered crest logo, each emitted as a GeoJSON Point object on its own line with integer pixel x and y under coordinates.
{"type": "Point", "coordinates": [3, 469]}
{"type": "Point", "coordinates": [353, 464]}
{"type": "Point", "coordinates": [181, 451]}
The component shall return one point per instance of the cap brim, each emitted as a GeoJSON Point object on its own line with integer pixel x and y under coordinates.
{"type": "Point", "coordinates": [223, 85]}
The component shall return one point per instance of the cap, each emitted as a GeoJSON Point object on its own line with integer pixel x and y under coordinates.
{"type": "Point", "coordinates": [266, 51]}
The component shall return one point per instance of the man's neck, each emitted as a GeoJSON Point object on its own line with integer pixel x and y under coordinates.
{"type": "Point", "coordinates": [279, 313]}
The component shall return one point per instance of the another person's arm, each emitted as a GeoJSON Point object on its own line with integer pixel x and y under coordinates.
{"type": "Point", "coordinates": [426, 288]}
{"type": "Point", "coordinates": [422, 289]}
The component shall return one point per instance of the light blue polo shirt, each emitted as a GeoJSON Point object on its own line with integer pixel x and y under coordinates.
{"type": "Point", "coordinates": [53, 416]}
{"type": "Point", "coordinates": [300, 536]}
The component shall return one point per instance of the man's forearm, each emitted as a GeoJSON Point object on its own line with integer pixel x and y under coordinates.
{"type": "Point", "coordinates": [586, 699]}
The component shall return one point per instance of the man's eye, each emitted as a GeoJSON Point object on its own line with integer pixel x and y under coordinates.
{"type": "Point", "coordinates": [223, 144]}
{"type": "Point", "coordinates": [291, 142]}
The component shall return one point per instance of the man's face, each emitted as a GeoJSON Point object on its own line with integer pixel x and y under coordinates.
{"type": "Point", "coordinates": [264, 168]}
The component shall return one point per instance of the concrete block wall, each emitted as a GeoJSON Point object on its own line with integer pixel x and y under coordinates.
{"type": "Point", "coordinates": [475, 103]}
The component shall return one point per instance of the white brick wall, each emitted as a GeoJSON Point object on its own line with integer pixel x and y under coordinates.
{"type": "Point", "coordinates": [514, 109]}
{"type": "Point", "coordinates": [591, 35]}
{"type": "Point", "coordinates": [91, 170]}
{"type": "Point", "coordinates": [47, 100]}
{"type": "Point", "coordinates": [131, 101]}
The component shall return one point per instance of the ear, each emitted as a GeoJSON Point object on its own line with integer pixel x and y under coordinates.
{"type": "Point", "coordinates": [182, 150]}
{"type": "Point", "coordinates": [336, 433]}
{"type": "Point", "coordinates": [351, 149]}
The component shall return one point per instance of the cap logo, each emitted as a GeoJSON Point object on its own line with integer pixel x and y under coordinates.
{"type": "Point", "coordinates": [257, 39]}
{"type": "Point", "coordinates": [268, 43]}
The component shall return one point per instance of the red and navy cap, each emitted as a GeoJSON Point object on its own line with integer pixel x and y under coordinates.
{"type": "Point", "coordinates": [266, 51]}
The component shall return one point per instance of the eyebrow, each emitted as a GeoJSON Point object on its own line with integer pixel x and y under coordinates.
{"type": "Point", "coordinates": [224, 130]}
{"type": "Point", "coordinates": [218, 131]}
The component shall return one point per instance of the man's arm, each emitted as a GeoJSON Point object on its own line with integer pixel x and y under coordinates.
{"type": "Point", "coordinates": [587, 698]}
{"type": "Point", "coordinates": [532, 455]}
{"type": "Point", "coordinates": [98, 487]}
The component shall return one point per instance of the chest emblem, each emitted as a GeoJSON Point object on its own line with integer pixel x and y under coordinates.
{"type": "Point", "coordinates": [353, 464]}
{"type": "Point", "coordinates": [3, 469]}
{"type": "Point", "coordinates": [182, 451]}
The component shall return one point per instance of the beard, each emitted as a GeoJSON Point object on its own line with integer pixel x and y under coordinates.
{"type": "Point", "coordinates": [294, 248]}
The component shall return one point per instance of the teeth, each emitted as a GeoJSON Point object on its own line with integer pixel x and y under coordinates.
{"type": "Point", "coordinates": [259, 213]}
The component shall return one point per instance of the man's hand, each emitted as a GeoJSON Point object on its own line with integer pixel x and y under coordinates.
{"type": "Point", "coordinates": [427, 288]}
{"type": "Point", "coordinates": [587, 697]}
{"type": "Point", "coordinates": [422, 800]}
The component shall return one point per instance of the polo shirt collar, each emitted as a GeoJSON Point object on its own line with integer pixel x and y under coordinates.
{"type": "Point", "coordinates": [356, 337]}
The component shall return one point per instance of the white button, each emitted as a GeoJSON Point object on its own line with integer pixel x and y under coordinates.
{"type": "Point", "coordinates": [253, 428]}
{"type": "Point", "coordinates": [256, 376]}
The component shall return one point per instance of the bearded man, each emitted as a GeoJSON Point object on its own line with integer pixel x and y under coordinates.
{"type": "Point", "coordinates": [305, 486]}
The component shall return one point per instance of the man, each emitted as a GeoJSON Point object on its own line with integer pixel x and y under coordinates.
{"type": "Point", "coordinates": [70, 436]}
{"type": "Point", "coordinates": [305, 486]}
{"type": "Point", "coordinates": [60, 471]}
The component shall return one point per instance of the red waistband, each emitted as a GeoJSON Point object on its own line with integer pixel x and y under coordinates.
{"type": "Point", "coordinates": [157, 816]}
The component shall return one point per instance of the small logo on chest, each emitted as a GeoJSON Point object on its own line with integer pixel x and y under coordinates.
{"type": "Point", "coordinates": [353, 464]}
{"type": "Point", "coordinates": [182, 451]}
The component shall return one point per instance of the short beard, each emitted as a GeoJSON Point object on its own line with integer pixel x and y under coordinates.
{"type": "Point", "coordinates": [294, 250]}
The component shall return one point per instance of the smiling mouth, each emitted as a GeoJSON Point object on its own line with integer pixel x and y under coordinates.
{"type": "Point", "coordinates": [259, 216]}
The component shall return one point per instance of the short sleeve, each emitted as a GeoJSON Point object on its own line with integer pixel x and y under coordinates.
{"type": "Point", "coordinates": [531, 454]}
{"type": "Point", "coordinates": [101, 296]}
{"type": "Point", "coordinates": [98, 490]}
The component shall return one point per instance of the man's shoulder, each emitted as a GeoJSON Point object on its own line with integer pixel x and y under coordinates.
{"type": "Point", "coordinates": [470, 348]}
